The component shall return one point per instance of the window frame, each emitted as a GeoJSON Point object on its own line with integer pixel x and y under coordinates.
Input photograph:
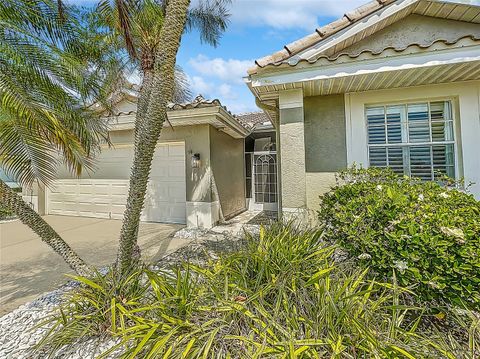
{"type": "Point", "coordinates": [455, 131]}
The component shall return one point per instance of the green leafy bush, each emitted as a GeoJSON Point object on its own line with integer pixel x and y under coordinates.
{"type": "Point", "coordinates": [427, 233]}
{"type": "Point", "coordinates": [280, 295]}
{"type": "Point", "coordinates": [5, 213]}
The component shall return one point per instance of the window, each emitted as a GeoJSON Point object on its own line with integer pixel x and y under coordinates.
{"type": "Point", "coordinates": [413, 139]}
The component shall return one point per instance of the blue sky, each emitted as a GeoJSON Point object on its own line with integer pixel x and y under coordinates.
{"type": "Point", "coordinates": [257, 28]}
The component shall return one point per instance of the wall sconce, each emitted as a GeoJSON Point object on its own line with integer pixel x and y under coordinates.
{"type": "Point", "coordinates": [196, 160]}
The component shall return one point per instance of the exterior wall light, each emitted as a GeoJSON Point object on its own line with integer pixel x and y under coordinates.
{"type": "Point", "coordinates": [196, 160]}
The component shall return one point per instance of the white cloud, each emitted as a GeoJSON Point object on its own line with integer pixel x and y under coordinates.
{"type": "Point", "coordinates": [231, 70]}
{"type": "Point", "coordinates": [289, 14]}
{"type": "Point", "coordinates": [199, 85]}
{"type": "Point", "coordinates": [226, 92]}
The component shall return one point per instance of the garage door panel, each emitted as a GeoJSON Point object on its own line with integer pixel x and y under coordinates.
{"type": "Point", "coordinates": [118, 209]}
{"type": "Point", "coordinates": [106, 198]}
{"type": "Point", "coordinates": [176, 150]}
{"type": "Point", "coordinates": [176, 172]}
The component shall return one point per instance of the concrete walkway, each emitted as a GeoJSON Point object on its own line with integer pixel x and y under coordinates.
{"type": "Point", "coordinates": [28, 267]}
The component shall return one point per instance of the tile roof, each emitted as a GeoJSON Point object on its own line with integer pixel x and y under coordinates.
{"type": "Point", "coordinates": [387, 51]}
{"type": "Point", "coordinates": [198, 102]}
{"type": "Point", "coordinates": [250, 120]}
{"type": "Point", "coordinates": [320, 34]}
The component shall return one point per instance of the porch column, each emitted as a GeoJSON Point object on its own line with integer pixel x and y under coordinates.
{"type": "Point", "coordinates": [292, 151]}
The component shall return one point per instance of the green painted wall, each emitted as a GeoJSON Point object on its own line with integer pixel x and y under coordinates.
{"type": "Point", "coordinates": [325, 133]}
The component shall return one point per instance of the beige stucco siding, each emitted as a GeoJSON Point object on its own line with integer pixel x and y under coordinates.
{"type": "Point", "coordinates": [415, 29]}
{"type": "Point", "coordinates": [292, 156]}
{"type": "Point", "coordinates": [115, 162]}
{"type": "Point", "coordinates": [228, 172]}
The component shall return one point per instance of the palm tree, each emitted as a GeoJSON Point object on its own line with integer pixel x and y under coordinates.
{"type": "Point", "coordinates": [152, 32]}
{"type": "Point", "coordinates": [46, 81]}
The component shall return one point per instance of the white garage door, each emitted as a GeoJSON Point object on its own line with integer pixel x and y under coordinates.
{"type": "Point", "coordinates": [106, 198]}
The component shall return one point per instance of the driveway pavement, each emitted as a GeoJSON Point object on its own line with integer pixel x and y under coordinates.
{"type": "Point", "coordinates": [28, 267]}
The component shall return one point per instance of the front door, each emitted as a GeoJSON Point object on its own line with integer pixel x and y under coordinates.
{"type": "Point", "coordinates": [265, 181]}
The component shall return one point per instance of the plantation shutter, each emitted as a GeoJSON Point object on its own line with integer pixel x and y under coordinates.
{"type": "Point", "coordinates": [412, 139]}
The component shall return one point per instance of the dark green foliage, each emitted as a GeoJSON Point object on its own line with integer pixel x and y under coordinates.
{"type": "Point", "coordinates": [428, 233]}
{"type": "Point", "coordinates": [280, 295]}
{"type": "Point", "coordinates": [5, 213]}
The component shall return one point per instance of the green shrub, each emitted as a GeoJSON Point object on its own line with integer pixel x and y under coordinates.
{"type": "Point", "coordinates": [279, 296]}
{"type": "Point", "coordinates": [5, 213]}
{"type": "Point", "coordinates": [427, 233]}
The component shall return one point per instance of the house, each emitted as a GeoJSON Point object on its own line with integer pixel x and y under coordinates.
{"type": "Point", "coordinates": [392, 83]}
{"type": "Point", "coordinates": [197, 175]}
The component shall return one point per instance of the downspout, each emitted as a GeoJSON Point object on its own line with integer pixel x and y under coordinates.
{"type": "Point", "coordinates": [274, 109]}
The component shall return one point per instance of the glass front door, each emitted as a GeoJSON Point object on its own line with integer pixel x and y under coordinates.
{"type": "Point", "coordinates": [265, 181]}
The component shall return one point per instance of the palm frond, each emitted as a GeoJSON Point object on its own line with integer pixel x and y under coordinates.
{"type": "Point", "coordinates": [49, 73]}
{"type": "Point", "coordinates": [210, 18]}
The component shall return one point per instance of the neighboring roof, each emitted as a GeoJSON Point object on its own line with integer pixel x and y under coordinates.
{"type": "Point", "coordinates": [199, 111]}
{"type": "Point", "coordinates": [251, 120]}
{"type": "Point", "coordinates": [291, 52]}
{"type": "Point", "coordinates": [198, 102]}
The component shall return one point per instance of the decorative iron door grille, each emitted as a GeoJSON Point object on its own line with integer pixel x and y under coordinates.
{"type": "Point", "coordinates": [265, 172]}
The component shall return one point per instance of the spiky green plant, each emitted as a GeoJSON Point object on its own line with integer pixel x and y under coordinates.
{"type": "Point", "coordinates": [280, 296]}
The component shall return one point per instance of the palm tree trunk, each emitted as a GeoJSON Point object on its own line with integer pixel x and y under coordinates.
{"type": "Point", "coordinates": [14, 202]}
{"type": "Point", "coordinates": [161, 92]}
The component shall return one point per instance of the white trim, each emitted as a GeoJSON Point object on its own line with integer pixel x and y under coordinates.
{"type": "Point", "coordinates": [290, 99]}
{"type": "Point", "coordinates": [381, 65]}
{"type": "Point", "coordinates": [215, 116]}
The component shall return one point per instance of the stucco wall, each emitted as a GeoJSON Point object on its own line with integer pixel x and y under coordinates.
{"type": "Point", "coordinates": [325, 138]}
{"type": "Point", "coordinates": [228, 171]}
{"type": "Point", "coordinates": [325, 145]}
{"type": "Point", "coordinates": [111, 163]}
{"type": "Point", "coordinates": [407, 31]}
{"type": "Point", "coordinates": [292, 154]}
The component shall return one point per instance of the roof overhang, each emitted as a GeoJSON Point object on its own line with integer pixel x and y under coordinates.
{"type": "Point", "coordinates": [215, 116]}
{"type": "Point", "coordinates": [372, 73]}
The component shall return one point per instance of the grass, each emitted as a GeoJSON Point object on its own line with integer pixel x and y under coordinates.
{"type": "Point", "coordinates": [281, 295]}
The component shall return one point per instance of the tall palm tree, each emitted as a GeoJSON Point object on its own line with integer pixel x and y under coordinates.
{"type": "Point", "coordinates": [46, 80]}
{"type": "Point", "coordinates": [152, 31]}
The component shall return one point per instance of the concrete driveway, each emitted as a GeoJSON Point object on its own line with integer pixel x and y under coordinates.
{"type": "Point", "coordinates": [28, 267]}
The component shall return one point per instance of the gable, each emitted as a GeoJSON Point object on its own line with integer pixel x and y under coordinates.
{"type": "Point", "coordinates": [360, 24]}
{"type": "Point", "coordinates": [415, 29]}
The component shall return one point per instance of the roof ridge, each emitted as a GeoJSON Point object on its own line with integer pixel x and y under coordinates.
{"type": "Point", "coordinates": [321, 33]}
